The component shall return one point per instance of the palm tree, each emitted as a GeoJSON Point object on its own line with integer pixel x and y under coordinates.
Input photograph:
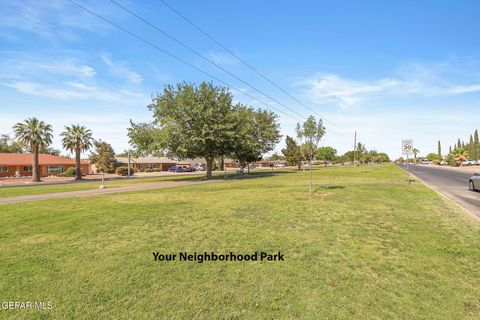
{"type": "Point", "coordinates": [36, 134]}
{"type": "Point", "coordinates": [77, 139]}
{"type": "Point", "coordinates": [415, 152]}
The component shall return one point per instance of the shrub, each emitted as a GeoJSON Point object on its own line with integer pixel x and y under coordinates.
{"type": "Point", "coordinates": [123, 171]}
{"type": "Point", "coordinates": [70, 172]}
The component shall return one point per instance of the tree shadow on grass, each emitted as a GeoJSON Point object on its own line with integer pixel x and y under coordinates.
{"type": "Point", "coordinates": [329, 187]}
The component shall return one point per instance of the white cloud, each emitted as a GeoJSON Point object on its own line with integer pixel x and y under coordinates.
{"type": "Point", "coordinates": [49, 19]}
{"type": "Point", "coordinates": [27, 68]}
{"type": "Point", "coordinates": [333, 89]}
{"type": "Point", "coordinates": [69, 78]}
{"type": "Point", "coordinates": [75, 90]}
{"type": "Point", "coordinates": [464, 89]}
{"type": "Point", "coordinates": [119, 69]}
{"type": "Point", "coordinates": [223, 59]}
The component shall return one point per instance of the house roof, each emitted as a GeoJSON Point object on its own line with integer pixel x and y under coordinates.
{"type": "Point", "coordinates": [146, 160]}
{"type": "Point", "coordinates": [26, 159]}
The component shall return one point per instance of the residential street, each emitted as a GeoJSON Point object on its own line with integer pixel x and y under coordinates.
{"type": "Point", "coordinates": [452, 182]}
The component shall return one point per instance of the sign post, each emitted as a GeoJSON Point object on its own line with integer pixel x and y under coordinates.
{"type": "Point", "coordinates": [407, 149]}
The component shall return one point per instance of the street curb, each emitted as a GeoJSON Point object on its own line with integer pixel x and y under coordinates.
{"type": "Point", "coordinates": [469, 213]}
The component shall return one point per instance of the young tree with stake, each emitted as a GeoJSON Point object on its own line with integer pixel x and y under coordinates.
{"type": "Point", "coordinates": [309, 135]}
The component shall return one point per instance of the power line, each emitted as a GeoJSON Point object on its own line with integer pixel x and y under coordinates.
{"type": "Point", "coordinates": [203, 57]}
{"type": "Point", "coordinates": [204, 32]}
{"type": "Point", "coordinates": [175, 57]}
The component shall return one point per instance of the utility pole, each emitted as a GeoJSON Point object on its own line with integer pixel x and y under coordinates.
{"type": "Point", "coordinates": [354, 147]}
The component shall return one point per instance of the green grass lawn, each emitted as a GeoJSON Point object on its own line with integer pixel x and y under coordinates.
{"type": "Point", "coordinates": [86, 185]}
{"type": "Point", "coordinates": [365, 245]}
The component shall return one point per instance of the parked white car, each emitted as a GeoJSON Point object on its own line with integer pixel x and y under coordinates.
{"type": "Point", "coordinates": [199, 167]}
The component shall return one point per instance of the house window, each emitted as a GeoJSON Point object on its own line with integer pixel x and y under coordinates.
{"type": "Point", "coordinates": [54, 169]}
{"type": "Point", "coordinates": [3, 169]}
{"type": "Point", "coordinates": [27, 168]}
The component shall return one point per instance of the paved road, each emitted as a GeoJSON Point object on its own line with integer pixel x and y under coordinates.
{"type": "Point", "coordinates": [94, 192]}
{"type": "Point", "coordinates": [452, 182]}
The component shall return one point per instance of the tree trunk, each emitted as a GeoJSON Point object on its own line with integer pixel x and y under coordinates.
{"type": "Point", "coordinates": [299, 166]}
{"type": "Point", "coordinates": [78, 168]}
{"type": "Point", "coordinates": [35, 166]}
{"type": "Point", "coordinates": [222, 163]}
{"type": "Point", "coordinates": [209, 167]}
{"type": "Point", "coordinates": [248, 167]}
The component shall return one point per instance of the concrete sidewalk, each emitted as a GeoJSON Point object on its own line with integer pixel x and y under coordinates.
{"type": "Point", "coordinates": [95, 192]}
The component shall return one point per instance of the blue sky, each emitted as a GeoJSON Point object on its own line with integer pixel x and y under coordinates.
{"type": "Point", "coordinates": [390, 71]}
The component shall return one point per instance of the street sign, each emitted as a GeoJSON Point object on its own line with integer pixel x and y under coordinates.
{"type": "Point", "coordinates": [407, 146]}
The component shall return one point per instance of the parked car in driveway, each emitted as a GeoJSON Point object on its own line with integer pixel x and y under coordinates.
{"type": "Point", "coordinates": [188, 169]}
{"type": "Point", "coordinates": [474, 182]}
{"type": "Point", "coordinates": [175, 169]}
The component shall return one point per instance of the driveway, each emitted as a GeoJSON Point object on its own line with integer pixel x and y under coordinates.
{"type": "Point", "coordinates": [452, 182]}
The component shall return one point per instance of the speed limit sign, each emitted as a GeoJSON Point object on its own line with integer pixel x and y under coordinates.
{"type": "Point", "coordinates": [407, 146]}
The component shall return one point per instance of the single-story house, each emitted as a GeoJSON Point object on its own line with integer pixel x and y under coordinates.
{"type": "Point", "coordinates": [20, 164]}
{"type": "Point", "coordinates": [192, 162]}
{"type": "Point", "coordinates": [265, 163]}
{"type": "Point", "coordinates": [143, 163]}
{"type": "Point", "coordinates": [231, 163]}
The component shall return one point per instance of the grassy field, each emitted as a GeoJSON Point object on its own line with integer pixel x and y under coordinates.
{"type": "Point", "coordinates": [365, 245]}
{"type": "Point", "coordinates": [87, 185]}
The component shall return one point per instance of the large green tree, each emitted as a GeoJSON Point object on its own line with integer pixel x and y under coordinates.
{"type": "Point", "coordinates": [309, 135]}
{"type": "Point", "coordinates": [9, 145]}
{"type": "Point", "coordinates": [103, 156]}
{"type": "Point", "coordinates": [432, 156]}
{"type": "Point", "coordinates": [190, 121]}
{"type": "Point", "coordinates": [36, 134]}
{"type": "Point", "coordinates": [381, 157]}
{"type": "Point", "coordinates": [326, 154]}
{"type": "Point", "coordinates": [359, 154]}
{"type": "Point", "coordinates": [257, 132]}
{"type": "Point", "coordinates": [277, 157]}
{"type": "Point", "coordinates": [77, 139]}
{"type": "Point", "coordinates": [292, 153]}
{"type": "Point", "coordinates": [147, 138]}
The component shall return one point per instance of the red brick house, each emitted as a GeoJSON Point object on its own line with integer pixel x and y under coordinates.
{"type": "Point", "coordinates": [20, 164]}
